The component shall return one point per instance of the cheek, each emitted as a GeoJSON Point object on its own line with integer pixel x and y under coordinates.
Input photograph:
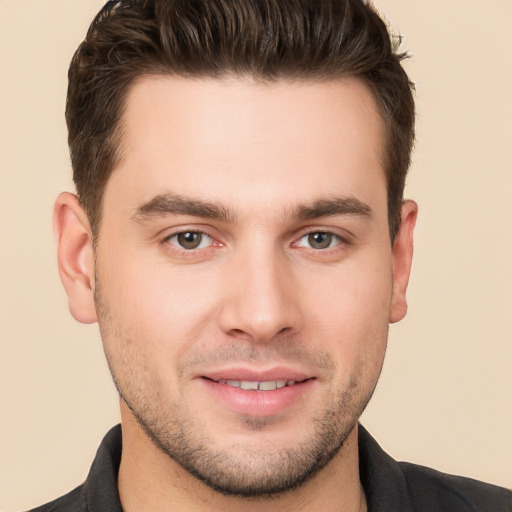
{"type": "Point", "coordinates": [350, 308]}
{"type": "Point", "coordinates": [161, 308]}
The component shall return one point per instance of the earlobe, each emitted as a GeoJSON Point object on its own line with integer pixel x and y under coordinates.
{"type": "Point", "coordinates": [402, 260]}
{"type": "Point", "coordinates": [75, 256]}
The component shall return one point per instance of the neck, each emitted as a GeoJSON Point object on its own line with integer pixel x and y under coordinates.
{"type": "Point", "coordinates": [150, 481]}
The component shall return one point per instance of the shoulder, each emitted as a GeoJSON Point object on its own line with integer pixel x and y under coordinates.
{"type": "Point", "coordinates": [400, 486]}
{"type": "Point", "coordinates": [452, 493]}
{"type": "Point", "coordinates": [74, 501]}
{"type": "Point", "coordinates": [99, 492]}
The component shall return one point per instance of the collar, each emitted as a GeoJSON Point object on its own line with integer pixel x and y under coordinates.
{"type": "Point", "coordinates": [381, 476]}
{"type": "Point", "coordinates": [382, 479]}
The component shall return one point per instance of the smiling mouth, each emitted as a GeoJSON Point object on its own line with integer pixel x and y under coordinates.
{"type": "Point", "coordinates": [269, 385]}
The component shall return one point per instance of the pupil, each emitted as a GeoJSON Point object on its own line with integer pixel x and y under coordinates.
{"type": "Point", "coordinates": [189, 240]}
{"type": "Point", "coordinates": [320, 240]}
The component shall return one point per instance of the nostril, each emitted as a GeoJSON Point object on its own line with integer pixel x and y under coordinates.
{"type": "Point", "coordinates": [238, 333]}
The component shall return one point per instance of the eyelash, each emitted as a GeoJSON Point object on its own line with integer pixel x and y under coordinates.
{"type": "Point", "coordinates": [335, 237]}
{"type": "Point", "coordinates": [168, 240]}
{"type": "Point", "coordinates": [339, 241]}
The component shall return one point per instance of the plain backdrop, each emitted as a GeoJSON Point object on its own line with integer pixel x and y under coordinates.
{"type": "Point", "coordinates": [445, 397]}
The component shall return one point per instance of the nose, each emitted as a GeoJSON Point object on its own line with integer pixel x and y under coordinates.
{"type": "Point", "coordinates": [261, 300]}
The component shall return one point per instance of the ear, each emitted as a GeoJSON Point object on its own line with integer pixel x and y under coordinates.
{"type": "Point", "coordinates": [402, 259]}
{"type": "Point", "coordinates": [75, 255]}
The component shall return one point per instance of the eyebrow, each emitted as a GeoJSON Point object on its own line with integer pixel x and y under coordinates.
{"type": "Point", "coordinates": [175, 204]}
{"type": "Point", "coordinates": [333, 206]}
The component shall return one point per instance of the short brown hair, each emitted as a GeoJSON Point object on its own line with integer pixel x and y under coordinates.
{"type": "Point", "coordinates": [266, 39]}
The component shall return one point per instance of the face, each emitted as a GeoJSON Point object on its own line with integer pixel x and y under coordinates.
{"type": "Point", "coordinates": [244, 274]}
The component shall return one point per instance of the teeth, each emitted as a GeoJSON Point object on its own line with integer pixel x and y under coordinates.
{"type": "Point", "coordinates": [245, 384]}
{"type": "Point", "coordinates": [269, 385]}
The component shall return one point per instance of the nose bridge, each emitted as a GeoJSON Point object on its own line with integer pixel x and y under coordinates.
{"type": "Point", "coordinates": [260, 302]}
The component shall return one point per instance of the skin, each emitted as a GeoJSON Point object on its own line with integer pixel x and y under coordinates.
{"type": "Point", "coordinates": [258, 296]}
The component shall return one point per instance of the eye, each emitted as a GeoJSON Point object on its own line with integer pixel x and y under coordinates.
{"type": "Point", "coordinates": [319, 240]}
{"type": "Point", "coordinates": [190, 240]}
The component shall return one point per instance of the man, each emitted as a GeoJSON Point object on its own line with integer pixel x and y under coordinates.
{"type": "Point", "coordinates": [240, 236]}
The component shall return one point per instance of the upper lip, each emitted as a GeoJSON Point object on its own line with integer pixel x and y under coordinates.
{"type": "Point", "coordinates": [256, 375]}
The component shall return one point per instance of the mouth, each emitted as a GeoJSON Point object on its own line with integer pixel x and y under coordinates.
{"type": "Point", "coordinates": [262, 397]}
{"type": "Point", "coordinates": [254, 385]}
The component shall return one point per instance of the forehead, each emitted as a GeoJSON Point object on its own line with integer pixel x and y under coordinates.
{"type": "Point", "coordinates": [242, 139]}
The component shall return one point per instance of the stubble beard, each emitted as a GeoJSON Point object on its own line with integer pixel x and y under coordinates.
{"type": "Point", "coordinates": [242, 471]}
{"type": "Point", "coordinates": [247, 471]}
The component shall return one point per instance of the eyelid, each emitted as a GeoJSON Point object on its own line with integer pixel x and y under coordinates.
{"type": "Point", "coordinates": [166, 240]}
{"type": "Point", "coordinates": [344, 239]}
{"type": "Point", "coordinates": [335, 237]}
{"type": "Point", "coordinates": [342, 234]}
{"type": "Point", "coordinates": [202, 234]}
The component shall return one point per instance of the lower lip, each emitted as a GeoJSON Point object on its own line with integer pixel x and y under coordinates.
{"type": "Point", "coordinates": [257, 403]}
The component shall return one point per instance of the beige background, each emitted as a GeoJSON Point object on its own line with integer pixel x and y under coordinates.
{"type": "Point", "coordinates": [445, 395]}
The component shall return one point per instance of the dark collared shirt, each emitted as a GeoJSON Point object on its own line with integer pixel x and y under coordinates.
{"type": "Point", "coordinates": [390, 486]}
